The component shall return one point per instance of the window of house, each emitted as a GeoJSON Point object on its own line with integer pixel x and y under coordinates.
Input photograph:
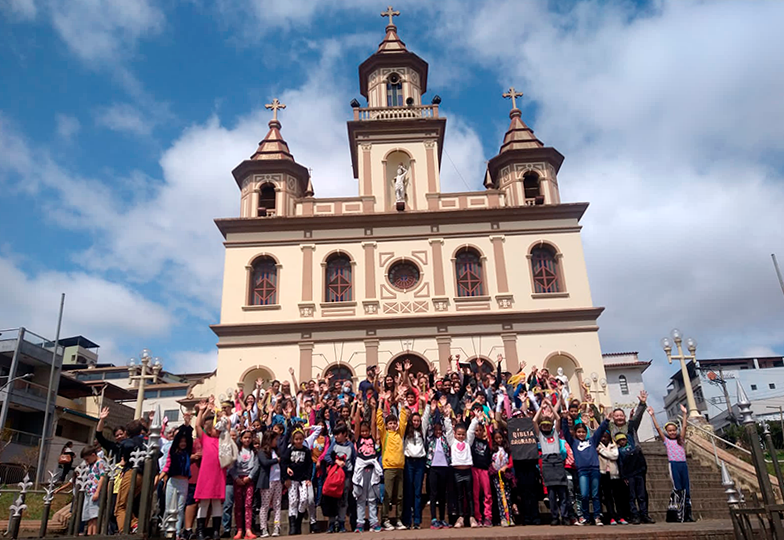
{"type": "Point", "coordinates": [753, 386]}
{"type": "Point", "coordinates": [267, 200]}
{"type": "Point", "coordinates": [264, 282]}
{"type": "Point", "coordinates": [544, 266]}
{"type": "Point", "coordinates": [468, 268]}
{"type": "Point", "coordinates": [149, 394]}
{"type": "Point", "coordinates": [173, 415]}
{"type": "Point", "coordinates": [174, 392]}
{"type": "Point", "coordinates": [394, 91]}
{"type": "Point", "coordinates": [772, 386]}
{"type": "Point", "coordinates": [338, 279]}
{"type": "Point", "coordinates": [624, 385]}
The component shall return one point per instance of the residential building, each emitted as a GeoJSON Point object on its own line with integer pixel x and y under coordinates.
{"type": "Point", "coordinates": [715, 380]}
{"type": "Point", "coordinates": [624, 383]}
{"type": "Point", "coordinates": [79, 350]}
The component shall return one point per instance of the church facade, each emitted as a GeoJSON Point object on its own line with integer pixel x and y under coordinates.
{"type": "Point", "coordinates": [402, 270]}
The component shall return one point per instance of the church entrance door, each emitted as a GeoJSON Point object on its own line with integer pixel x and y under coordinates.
{"type": "Point", "coordinates": [419, 364]}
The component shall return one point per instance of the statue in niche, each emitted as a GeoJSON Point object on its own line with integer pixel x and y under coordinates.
{"type": "Point", "coordinates": [565, 380]}
{"type": "Point", "coordinates": [401, 178]}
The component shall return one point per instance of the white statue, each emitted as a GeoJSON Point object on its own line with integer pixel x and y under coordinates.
{"type": "Point", "coordinates": [400, 184]}
{"type": "Point", "coordinates": [565, 380]}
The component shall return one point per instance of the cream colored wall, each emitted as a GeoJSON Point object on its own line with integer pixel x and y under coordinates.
{"type": "Point", "coordinates": [516, 248]}
{"type": "Point", "coordinates": [377, 86]}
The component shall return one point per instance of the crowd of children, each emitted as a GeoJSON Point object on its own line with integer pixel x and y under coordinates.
{"type": "Point", "coordinates": [400, 442]}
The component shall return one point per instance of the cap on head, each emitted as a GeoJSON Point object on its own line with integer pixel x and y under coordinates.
{"type": "Point", "coordinates": [620, 437]}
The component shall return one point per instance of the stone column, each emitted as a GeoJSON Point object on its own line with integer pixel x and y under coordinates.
{"type": "Point", "coordinates": [438, 266]}
{"type": "Point", "coordinates": [371, 352]}
{"type": "Point", "coordinates": [370, 269]}
{"type": "Point", "coordinates": [500, 263]}
{"type": "Point", "coordinates": [307, 271]}
{"type": "Point", "coordinates": [305, 361]}
{"type": "Point", "coordinates": [444, 350]}
{"type": "Point", "coordinates": [510, 352]}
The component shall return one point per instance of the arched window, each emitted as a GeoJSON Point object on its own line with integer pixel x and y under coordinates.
{"type": "Point", "coordinates": [468, 268]}
{"type": "Point", "coordinates": [533, 194]}
{"type": "Point", "coordinates": [338, 279]}
{"type": "Point", "coordinates": [267, 200]}
{"type": "Point", "coordinates": [545, 270]}
{"type": "Point", "coordinates": [339, 373]}
{"type": "Point", "coordinates": [264, 282]}
{"type": "Point", "coordinates": [394, 91]}
{"type": "Point", "coordinates": [624, 385]}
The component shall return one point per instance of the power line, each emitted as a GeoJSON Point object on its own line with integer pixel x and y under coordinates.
{"type": "Point", "coordinates": [468, 188]}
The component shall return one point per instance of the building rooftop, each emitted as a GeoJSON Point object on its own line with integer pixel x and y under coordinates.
{"type": "Point", "coordinates": [79, 340]}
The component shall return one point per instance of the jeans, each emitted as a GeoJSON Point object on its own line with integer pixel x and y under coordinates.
{"type": "Point", "coordinates": [366, 496]}
{"type": "Point", "coordinates": [228, 505]}
{"type": "Point", "coordinates": [414, 473]}
{"type": "Point", "coordinates": [679, 472]}
{"type": "Point", "coordinates": [176, 493]}
{"type": "Point", "coordinates": [638, 496]}
{"type": "Point", "coordinates": [589, 489]}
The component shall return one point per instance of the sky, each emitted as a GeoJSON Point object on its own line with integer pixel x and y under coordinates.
{"type": "Point", "coordinates": [120, 123]}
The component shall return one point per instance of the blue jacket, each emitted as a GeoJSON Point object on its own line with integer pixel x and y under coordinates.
{"type": "Point", "coordinates": [586, 457]}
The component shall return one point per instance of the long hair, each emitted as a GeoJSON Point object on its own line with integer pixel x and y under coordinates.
{"type": "Point", "coordinates": [183, 432]}
{"type": "Point", "coordinates": [504, 440]}
{"type": "Point", "coordinates": [410, 429]}
{"type": "Point", "coordinates": [266, 442]}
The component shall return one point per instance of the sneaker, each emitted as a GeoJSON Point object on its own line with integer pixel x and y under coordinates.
{"type": "Point", "coordinates": [648, 519]}
{"type": "Point", "coordinates": [276, 530]}
{"type": "Point", "coordinates": [388, 526]}
{"type": "Point", "coordinates": [582, 521]}
{"type": "Point", "coordinates": [473, 522]}
{"type": "Point", "coordinates": [487, 523]}
{"type": "Point", "coordinates": [636, 520]}
{"type": "Point", "coordinates": [623, 521]}
{"type": "Point", "coordinates": [375, 528]}
{"type": "Point", "coordinates": [599, 523]}
{"type": "Point", "coordinates": [435, 524]}
{"type": "Point", "coordinates": [613, 522]}
{"type": "Point", "coordinates": [445, 525]}
{"type": "Point", "coordinates": [555, 522]}
{"type": "Point", "coordinates": [459, 523]}
{"type": "Point", "coordinates": [265, 533]}
{"type": "Point", "coordinates": [358, 530]}
{"type": "Point", "coordinates": [238, 536]}
{"type": "Point", "coordinates": [504, 523]}
{"type": "Point", "coordinates": [416, 526]}
{"type": "Point", "coordinates": [400, 526]}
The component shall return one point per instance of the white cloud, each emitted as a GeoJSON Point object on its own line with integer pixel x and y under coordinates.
{"type": "Point", "coordinates": [125, 118]}
{"type": "Point", "coordinates": [463, 163]}
{"type": "Point", "coordinates": [67, 126]}
{"type": "Point", "coordinates": [192, 361]}
{"type": "Point", "coordinates": [669, 120]}
{"type": "Point", "coordinates": [107, 312]}
{"type": "Point", "coordinates": [20, 9]}
{"type": "Point", "coordinates": [104, 30]}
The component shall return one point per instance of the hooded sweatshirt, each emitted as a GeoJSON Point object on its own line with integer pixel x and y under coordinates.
{"type": "Point", "coordinates": [392, 441]}
{"type": "Point", "coordinates": [586, 457]}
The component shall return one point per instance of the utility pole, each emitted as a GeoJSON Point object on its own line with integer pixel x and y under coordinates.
{"type": "Point", "coordinates": [47, 420]}
{"type": "Point", "coordinates": [778, 271]}
{"type": "Point", "coordinates": [730, 415]}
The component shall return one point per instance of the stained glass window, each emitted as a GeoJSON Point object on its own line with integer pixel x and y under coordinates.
{"type": "Point", "coordinates": [338, 279]}
{"type": "Point", "coordinates": [545, 269]}
{"type": "Point", "coordinates": [395, 94]}
{"type": "Point", "coordinates": [404, 275]}
{"type": "Point", "coordinates": [264, 287]}
{"type": "Point", "coordinates": [468, 267]}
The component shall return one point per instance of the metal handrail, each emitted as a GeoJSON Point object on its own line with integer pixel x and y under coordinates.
{"type": "Point", "coordinates": [725, 441]}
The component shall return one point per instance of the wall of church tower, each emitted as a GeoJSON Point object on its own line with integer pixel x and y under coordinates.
{"type": "Point", "coordinates": [378, 163]}
{"type": "Point", "coordinates": [409, 82]}
{"type": "Point", "coordinates": [287, 191]}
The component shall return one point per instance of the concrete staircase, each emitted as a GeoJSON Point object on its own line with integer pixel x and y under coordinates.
{"type": "Point", "coordinates": [707, 494]}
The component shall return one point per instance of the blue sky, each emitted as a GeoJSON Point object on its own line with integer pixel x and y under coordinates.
{"type": "Point", "coordinates": [120, 124]}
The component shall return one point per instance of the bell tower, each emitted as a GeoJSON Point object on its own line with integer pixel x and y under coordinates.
{"type": "Point", "coordinates": [396, 141]}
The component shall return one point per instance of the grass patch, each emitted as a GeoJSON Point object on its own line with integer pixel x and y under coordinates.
{"type": "Point", "coordinates": [34, 502]}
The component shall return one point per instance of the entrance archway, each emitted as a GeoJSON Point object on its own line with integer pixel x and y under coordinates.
{"type": "Point", "coordinates": [248, 378]}
{"type": "Point", "coordinates": [419, 364]}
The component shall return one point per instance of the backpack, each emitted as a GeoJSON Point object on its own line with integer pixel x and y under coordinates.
{"type": "Point", "coordinates": [675, 508]}
{"type": "Point", "coordinates": [335, 482]}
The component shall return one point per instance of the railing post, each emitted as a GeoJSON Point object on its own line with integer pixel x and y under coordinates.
{"type": "Point", "coordinates": [17, 508]}
{"type": "Point", "coordinates": [145, 508]}
{"type": "Point", "coordinates": [136, 456]}
{"type": "Point", "coordinates": [76, 502]}
{"type": "Point", "coordinates": [758, 459]}
{"type": "Point", "coordinates": [48, 498]}
{"type": "Point", "coordinates": [773, 457]}
{"type": "Point", "coordinates": [105, 517]}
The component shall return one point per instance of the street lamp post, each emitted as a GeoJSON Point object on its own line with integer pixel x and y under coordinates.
{"type": "Point", "coordinates": [141, 372]}
{"type": "Point", "coordinates": [691, 345]}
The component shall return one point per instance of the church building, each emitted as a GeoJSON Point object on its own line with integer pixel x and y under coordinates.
{"type": "Point", "coordinates": [403, 271]}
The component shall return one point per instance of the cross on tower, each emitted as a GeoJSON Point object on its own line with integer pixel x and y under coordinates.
{"type": "Point", "coordinates": [390, 13]}
{"type": "Point", "coordinates": [512, 94]}
{"type": "Point", "coordinates": [275, 105]}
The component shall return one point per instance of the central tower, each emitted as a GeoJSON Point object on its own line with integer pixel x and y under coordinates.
{"type": "Point", "coordinates": [396, 141]}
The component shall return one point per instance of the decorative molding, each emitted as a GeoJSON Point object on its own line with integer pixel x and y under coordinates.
{"type": "Point", "coordinates": [420, 255]}
{"type": "Point", "coordinates": [537, 296]}
{"type": "Point", "coordinates": [505, 301]}
{"type": "Point", "coordinates": [267, 307]}
{"type": "Point", "coordinates": [307, 309]}
{"type": "Point", "coordinates": [430, 144]}
{"type": "Point", "coordinates": [406, 307]}
{"type": "Point", "coordinates": [384, 257]}
{"type": "Point", "coordinates": [337, 305]}
{"type": "Point", "coordinates": [423, 291]}
{"type": "Point", "coordinates": [370, 306]}
{"type": "Point", "coordinates": [441, 304]}
{"type": "Point", "coordinates": [366, 147]}
{"type": "Point", "coordinates": [387, 293]}
{"type": "Point", "coordinates": [470, 299]}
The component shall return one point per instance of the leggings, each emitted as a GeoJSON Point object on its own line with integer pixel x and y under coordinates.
{"type": "Point", "coordinates": [243, 505]}
{"type": "Point", "coordinates": [215, 505]}
{"type": "Point", "coordinates": [465, 499]}
{"type": "Point", "coordinates": [271, 498]}
{"type": "Point", "coordinates": [438, 478]}
{"type": "Point", "coordinates": [500, 495]}
{"type": "Point", "coordinates": [481, 481]}
{"type": "Point", "coordinates": [298, 500]}
{"type": "Point", "coordinates": [679, 472]}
